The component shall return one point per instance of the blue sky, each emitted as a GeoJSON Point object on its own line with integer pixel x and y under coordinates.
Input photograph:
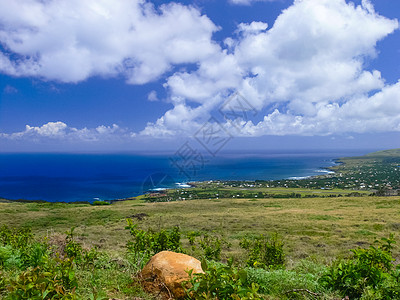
{"type": "Point", "coordinates": [135, 75]}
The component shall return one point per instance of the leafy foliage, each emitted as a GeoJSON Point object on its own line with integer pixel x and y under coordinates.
{"type": "Point", "coordinates": [2, 282]}
{"type": "Point", "coordinates": [210, 244]}
{"type": "Point", "coordinates": [32, 271]}
{"type": "Point", "coordinates": [368, 272]}
{"type": "Point", "coordinates": [35, 283]}
{"type": "Point", "coordinates": [221, 281]}
{"type": "Point", "coordinates": [191, 236]}
{"type": "Point", "coordinates": [264, 251]}
{"type": "Point", "coordinates": [146, 243]}
{"type": "Point", "coordinates": [17, 249]}
{"type": "Point", "coordinates": [100, 203]}
{"type": "Point", "coordinates": [16, 238]}
{"type": "Point", "coordinates": [74, 250]}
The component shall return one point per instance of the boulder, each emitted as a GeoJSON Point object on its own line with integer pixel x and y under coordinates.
{"type": "Point", "coordinates": [164, 273]}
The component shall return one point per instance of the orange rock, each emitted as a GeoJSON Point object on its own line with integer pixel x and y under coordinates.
{"type": "Point", "coordinates": [165, 272]}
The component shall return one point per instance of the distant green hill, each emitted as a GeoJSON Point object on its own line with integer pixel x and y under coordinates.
{"type": "Point", "coordinates": [385, 153]}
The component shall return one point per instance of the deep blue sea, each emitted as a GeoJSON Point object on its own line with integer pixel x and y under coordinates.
{"type": "Point", "coordinates": [89, 177]}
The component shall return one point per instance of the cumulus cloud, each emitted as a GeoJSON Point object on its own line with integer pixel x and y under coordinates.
{"type": "Point", "coordinates": [215, 75]}
{"type": "Point", "coordinates": [307, 73]}
{"type": "Point", "coordinates": [61, 131]}
{"type": "Point", "coordinates": [152, 96]}
{"type": "Point", "coordinates": [180, 120]}
{"type": "Point", "coordinates": [253, 27]}
{"type": "Point", "coordinates": [71, 40]}
{"type": "Point", "coordinates": [319, 57]}
{"type": "Point", "coordinates": [378, 113]}
{"type": "Point", "coordinates": [308, 69]}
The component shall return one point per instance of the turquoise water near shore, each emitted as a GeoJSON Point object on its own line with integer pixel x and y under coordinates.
{"type": "Point", "coordinates": [89, 177]}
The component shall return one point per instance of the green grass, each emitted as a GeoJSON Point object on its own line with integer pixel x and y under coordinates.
{"type": "Point", "coordinates": [313, 229]}
{"type": "Point", "coordinates": [340, 223]}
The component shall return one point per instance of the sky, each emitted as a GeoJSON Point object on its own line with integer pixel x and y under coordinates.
{"type": "Point", "coordinates": [136, 75]}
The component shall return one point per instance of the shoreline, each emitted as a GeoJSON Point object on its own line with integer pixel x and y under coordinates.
{"type": "Point", "coordinates": [326, 171]}
{"type": "Point", "coordinates": [182, 185]}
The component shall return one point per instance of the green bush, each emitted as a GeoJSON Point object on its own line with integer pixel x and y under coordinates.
{"type": "Point", "coordinates": [2, 282]}
{"type": "Point", "coordinates": [264, 251]}
{"type": "Point", "coordinates": [17, 238]}
{"type": "Point", "coordinates": [30, 269]}
{"type": "Point", "coordinates": [35, 254]}
{"type": "Point", "coordinates": [17, 249]}
{"type": "Point", "coordinates": [147, 243]}
{"type": "Point", "coordinates": [97, 202]}
{"type": "Point", "coordinates": [211, 245]}
{"type": "Point", "coordinates": [368, 273]}
{"type": "Point", "coordinates": [222, 282]}
{"type": "Point", "coordinates": [9, 257]}
{"type": "Point", "coordinates": [191, 236]}
{"type": "Point", "coordinates": [75, 251]}
{"type": "Point", "coordinates": [35, 283]}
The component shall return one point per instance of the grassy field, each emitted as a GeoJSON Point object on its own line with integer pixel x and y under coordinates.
{"type": "Point", "coordinates": [304, 192]}
{"type": "Point", "coordinates": [321, 228]}
{"type": "Point", "coordinates": [315, 232]}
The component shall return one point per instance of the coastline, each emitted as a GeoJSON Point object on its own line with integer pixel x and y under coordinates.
{"type": "Point", "coordinates": [314, 173]}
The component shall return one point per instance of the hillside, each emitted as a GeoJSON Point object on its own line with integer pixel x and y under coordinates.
{"type": "Point", "coordinates": [83, 251]}
{"type": "Point", "coordinates": [314, 230]}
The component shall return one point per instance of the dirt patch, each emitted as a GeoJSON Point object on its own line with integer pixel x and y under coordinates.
{"type": "Point", "coordinates": [139, 216]}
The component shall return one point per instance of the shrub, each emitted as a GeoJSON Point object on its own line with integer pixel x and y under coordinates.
{"type": "Point", "coordinates": [264, 251]}
{"type": "Point", "coordinates": [2, 282]}
{"type": "Point", "coordinates": [17, 249]}
{"type": "Point", "coordinates": [35, 283]}
{"type": "Point", "coordinates": [17, 238]}
{"type": "Point", "coordinates": [211, 246]}
{"type": "Point", "coordinates": [147, 243]}
{"type": "Point", "coordinates": [97, 202]}
{"type": "Point", "coordinates": [9, 257]}
{"type": "Point", "coordinates": [220, 281]}
{"type": "Point", "coordinates": [35, 254]}
{"type": "Point", "coordinates": [75, 251]}
{"type": "Point", "coordinates": [72, 248]}
{"type": "Point", "coordinates": [32, 271]}
{"type": "Point", "coordinates": [191, 235]}
{"type": "Point", "coordinates": [368, 273]}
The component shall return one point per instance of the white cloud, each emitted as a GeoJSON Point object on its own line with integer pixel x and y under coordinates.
{"type": "Point", "coordinates": [9, 89]}
{"type": "Point", "coordinates": [158, 129]}
{"type": "Point", "coordinates": [309, 68]}
{"type": "Point", "coordinates": [62, 132]}
{"type": "Point", "coordinates": [180, 120]}
{"type": "Point", "coordinates": [378, 113]}
{"type": "Point", "coordinates": [214, 75]}
{"type": "Point", "coordinates": [152, 96]}
{"type": "Point", "coordinates": [253, 27]}
{"type": "Point", "coordinates": [307, 73]}
{"type": "Point", "coordinates": [71, 40]}
{"type": "Point", "coordinates": [314, 52]}
{"type": "Point", "coordinates": [51, 129]}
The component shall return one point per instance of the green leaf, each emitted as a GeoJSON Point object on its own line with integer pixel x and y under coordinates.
{"type": "Point", "coordinates": [204, 265]}
{"type": "Point", "coordinates": [243, 276]}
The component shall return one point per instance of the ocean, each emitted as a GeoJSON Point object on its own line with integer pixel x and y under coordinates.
{"type": "Point", "coordinates": [89, 177]}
